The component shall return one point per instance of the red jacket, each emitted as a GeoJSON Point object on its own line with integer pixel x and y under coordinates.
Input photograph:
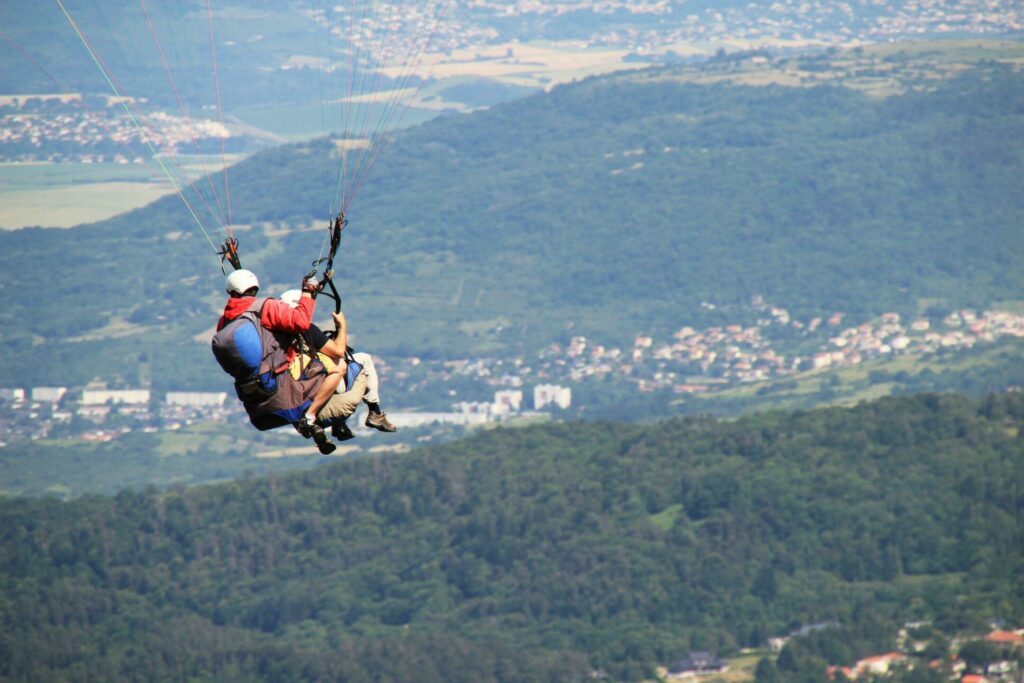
{"type": "Point", "coordinates": [276, 315]}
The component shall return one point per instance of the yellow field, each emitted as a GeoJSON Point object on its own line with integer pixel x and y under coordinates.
{"type": "Point", "coordinates": [62, 195]}
{"type": "Point", "coordinates": [528, 64]}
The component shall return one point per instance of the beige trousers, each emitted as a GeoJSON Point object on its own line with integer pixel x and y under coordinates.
{"type": "Point", "coordinates": [372, 381]}
{"type": "Point", "coordinates": [366, 386]}
{"type": "Point", "coordinates": [344, 404]}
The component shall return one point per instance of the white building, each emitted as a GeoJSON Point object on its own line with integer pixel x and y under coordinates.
{"type": "Point", "coordinates": [196, 399]}
{"type": "Point", "coordinates": [96, 413]}
{"type": "Point", "coordinates": [410, 420]}
{"type": "Point", "coordinates": [545, 394]}
{"type": "Point", "coordinates": [12, 395]}
{"type": "Point", "coordinates": [48, 394]}
{"type": "Point", "coordinates": [475, 408]}
{"type": "Point", "coordinates": [95, 397]}
{"type": "Point", "coordinates": [508, 401]}
{"type": "Point", "coordinates": [901, 342]}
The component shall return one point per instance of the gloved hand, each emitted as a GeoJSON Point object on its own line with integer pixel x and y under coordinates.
{"type": "Point", "coordinates": [312, 286]}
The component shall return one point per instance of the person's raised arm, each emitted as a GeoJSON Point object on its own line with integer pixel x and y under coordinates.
{"type": "Point", "coordinates": [278, 315]}
{"type": "Point", "coordinates": [340, 340]}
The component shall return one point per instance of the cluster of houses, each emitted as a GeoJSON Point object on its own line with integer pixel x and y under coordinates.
{"type": "Point", "coordinates": [65, 129]}
{"type": "Point", "coordinates": [1004, 667]}
{"type": "Point", "coordinates": [101, 414]}
{"type": "Point", "coordinates": [96, 413]}
{"type": "Point", "coordinates": [691, 361]}
{"type": "Point", "coordinates": [695, 361]}
{"type": "Point", "coordinates": [960, 330]}
{"type": "Point", "coordinates": [822, 22]}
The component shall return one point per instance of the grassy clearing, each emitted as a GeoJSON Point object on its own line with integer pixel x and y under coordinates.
{"type": "Point", "coordinates": [67, 194]}
{"type": "Point", "coordinates": [69, 206]}
{"type": "Point", "coordinates": [741, 669]}
{"type": "Point", "coordinates": [483, 327]}
{"type": "Point", "coordinates": [117, 327]}
{"type": "Point", "coordinates": [667, 517]}
{"type": "Point", "coordinates": [188, 443]}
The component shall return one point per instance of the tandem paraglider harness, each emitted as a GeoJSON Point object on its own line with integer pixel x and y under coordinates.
{"type": "Point", "coordinates": [245, 350]}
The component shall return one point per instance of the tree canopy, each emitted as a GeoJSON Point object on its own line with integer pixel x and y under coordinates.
{"type": "Point", "coordinates": [533, 553]}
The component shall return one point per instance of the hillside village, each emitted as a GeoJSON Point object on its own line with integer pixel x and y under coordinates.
{"type": "Point", "coordinates": [655, 25]}
{"type": "Point", "coordinates": [995, 656]}
{"type": "Point", "coordinates": [695, 361]}
{"type": "Point", "coordinates": [99, 414]}
{"type": "Point", "coordinates": [70, 128]}
{"type": "Point", "coordinates": [470, 392]}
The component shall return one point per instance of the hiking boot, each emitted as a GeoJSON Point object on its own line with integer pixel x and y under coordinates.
{"type": "Point", "coordinates": [312, 430]}
{"type": "Point", "coordinates": [379, 421]}
{"type": "Point", "coordinates": [340, 431]}
{"type": "Point", "coordinates": [323, 444]}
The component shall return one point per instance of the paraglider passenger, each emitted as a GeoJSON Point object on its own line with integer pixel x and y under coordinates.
{"type": "Point", "coordinates": [363, 385]}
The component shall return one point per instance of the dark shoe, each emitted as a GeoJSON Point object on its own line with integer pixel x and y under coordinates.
{"type": "Point", "coordinates": [315, 432]}
{"type": "Point", "coordinates": [325, 445]}
{"type": "Point", "coordinates": [379, 421]}
{"type": "Point", "coordinates": [340, 431]}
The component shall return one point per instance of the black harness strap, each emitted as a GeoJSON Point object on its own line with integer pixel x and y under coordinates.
{"type": "Point", "coordinates": [327, 276]}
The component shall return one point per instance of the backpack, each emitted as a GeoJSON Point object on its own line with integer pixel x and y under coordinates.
{"type": "Point", "coordinates": [252, 354]}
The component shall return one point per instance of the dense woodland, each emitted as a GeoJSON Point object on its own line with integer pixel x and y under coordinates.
{"type": "Point", "coordinates": [536, 554]}
{"type": "Point", "coordinates": [607, 207]}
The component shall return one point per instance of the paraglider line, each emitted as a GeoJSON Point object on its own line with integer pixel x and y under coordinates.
{"type": "Point", "coordinates": [131, 115]}
{"type": "Point", "coordinates": [220, 115]}
{"type": "Point", "coordinates": [184, 111]}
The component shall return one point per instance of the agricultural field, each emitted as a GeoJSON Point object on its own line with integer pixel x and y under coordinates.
{"type": "Point", "coordinates": [63, 195]}
{"type": "Point", "coordinates": [67, 194]}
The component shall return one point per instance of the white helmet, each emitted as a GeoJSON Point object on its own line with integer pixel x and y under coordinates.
{"type": "Point", "coordinates": [291, 297]}
{"type": "Point", "coordinates": [241, 280]}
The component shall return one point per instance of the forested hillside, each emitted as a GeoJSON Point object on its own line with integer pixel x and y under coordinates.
{"type": "Point", "coordinates": [534, 554]}
{"type": "Point", "coordinates": [607, 207]}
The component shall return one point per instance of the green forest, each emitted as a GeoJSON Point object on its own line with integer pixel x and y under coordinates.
{"type": "Point", "coordinates": [607, 207]}
{"type": "Point", "coordinates": [544, 553]}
